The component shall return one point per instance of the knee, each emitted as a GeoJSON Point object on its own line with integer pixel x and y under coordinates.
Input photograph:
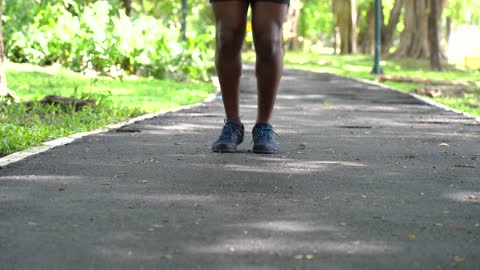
{"type": "Point", "coordinates": [229, 41]}
{"type": "Point", "coordinates": [268, 46]}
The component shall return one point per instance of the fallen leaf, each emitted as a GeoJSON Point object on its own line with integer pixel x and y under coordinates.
{"type": "Point", "coordinates": [168, 257]}
{"type": "Point", "coordinates": [464, 166]}
{"type": "Point", "coordinates": [412, 237]}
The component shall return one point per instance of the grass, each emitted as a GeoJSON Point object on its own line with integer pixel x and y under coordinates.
{"type": "Point", "coordinates": [360, 66]}
{"type": "Point", "coordinates": [22, 126]}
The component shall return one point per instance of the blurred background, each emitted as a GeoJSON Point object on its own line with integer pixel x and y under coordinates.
{"type": "Point", "coordinates": [163, 38]}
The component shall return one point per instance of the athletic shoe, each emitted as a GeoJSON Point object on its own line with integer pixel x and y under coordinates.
{"type": "Point", "coordinates": [264, 139]}
{"type": "Point", "coordinates": [231, 137]}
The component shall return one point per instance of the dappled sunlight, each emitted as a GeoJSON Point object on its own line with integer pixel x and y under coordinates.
{"type": "Point", "coordinates": [287, 226]}
{"type": "Point", "coordinates": [11, 195]}
{"type": "Point", "coordinates": [464, 196]}
{"type": "Point", "coordinates": [285, 166]}
{"type": "Point", "coordinates": [356, 68]}
{"type": "Point", "coordinates": [166, 198]}
{"type": "Point", "coordinates": [50, 179]}
{"type": "Point", "coordinates": [291, 246]}
{"type": "Point", "coordinates": [299, 97]}
{"type": "Point", "coordinates": [183, 127]}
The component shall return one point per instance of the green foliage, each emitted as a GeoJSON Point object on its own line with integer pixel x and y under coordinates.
{"type": "Point", "coordinates": [463, 11]}
{"type": "Point", "coordinates": [102, 38]}
{"type": "Point", "coordinates": [316, 19]}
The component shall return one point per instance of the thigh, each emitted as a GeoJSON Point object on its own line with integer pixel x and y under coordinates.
{"type": "Point", "coordinates": [230, 16]}
{"type": "Point", "coordinates": [268, 17]}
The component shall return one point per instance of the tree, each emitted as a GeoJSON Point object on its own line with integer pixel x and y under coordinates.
{"type": "Point", "coordinates": [291, 25]}
{"type": "Point", "coordinates": [127, 4]}
{"type": "Point", "coordinates": [388, 30]}
{"type": "Point", "coordinates": [367, 31]}
{"type": "Point", "coordinates": [3, 78]}
{"type": "Point", "coordinates": [414, 38]}
{"type": "Point", "coordinates": [433, 36]}
{"type": "Point", "coordinates": [346, 19]}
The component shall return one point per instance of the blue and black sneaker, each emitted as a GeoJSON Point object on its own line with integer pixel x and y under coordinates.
{"type": "Point", "coordinates": [264, 139]}
{"type": "Point", "coordinates": [231, 137]}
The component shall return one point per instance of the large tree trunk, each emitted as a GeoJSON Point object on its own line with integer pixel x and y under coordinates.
{"type": "Point", "coordinates": [346, 19]}
{"type": "Point", "coordinates": [3, 79]}
{"type": "Point", "coordinates": [390, 28]}
{"type": "Point", "coordinates": [413, 39]}
{"type": "Point", "coordinates": [433, 36]}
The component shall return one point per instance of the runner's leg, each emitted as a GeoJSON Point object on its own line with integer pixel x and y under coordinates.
{"type": "Point", "coordinates": [267, 21]}
{"type": "Point", "coordinates": [231, 18]}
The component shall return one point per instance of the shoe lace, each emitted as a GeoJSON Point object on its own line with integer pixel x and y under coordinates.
{"type": "Point", "coordinates": [265, 133]}
{"type": "Point", "coordinates": [228, 130]}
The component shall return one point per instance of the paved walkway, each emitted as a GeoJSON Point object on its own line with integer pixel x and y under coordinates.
{"type": "Point", "coordinates": [367, 178]}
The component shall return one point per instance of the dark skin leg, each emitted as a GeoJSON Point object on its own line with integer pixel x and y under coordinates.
{"type": "Point", "coordinates": [231, 20]}
{"type": "Point", "coordinates": [267, 21]}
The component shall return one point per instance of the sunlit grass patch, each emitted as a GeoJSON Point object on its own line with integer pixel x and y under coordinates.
{"type": "Point", "coordinates": [23, 126]}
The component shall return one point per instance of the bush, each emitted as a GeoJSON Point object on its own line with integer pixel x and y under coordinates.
{"type": "Point", "coordinates": [101, 38]}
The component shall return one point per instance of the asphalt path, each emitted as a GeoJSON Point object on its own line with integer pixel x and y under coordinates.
{"type": "Point", "coordinates": [366, 178]}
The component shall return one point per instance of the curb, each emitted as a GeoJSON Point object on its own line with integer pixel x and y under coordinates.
{"type": "Point", "coordinates": [15, 157]}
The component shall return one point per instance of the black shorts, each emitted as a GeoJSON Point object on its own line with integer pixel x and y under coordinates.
{"type": "Point", "coordinates": [254, 1]}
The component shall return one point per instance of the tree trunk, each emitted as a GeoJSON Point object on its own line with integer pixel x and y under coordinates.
{"type": "Point", "coordinates": [3, 78]}
{"type": "Point", "coordinates": [346, 19]}
{"type": "Point", "coordinates": [413, 39]}
{"type": "Point", "coordinates": [291, 25]}
{"type": "Point", "coordinates": [433, 36]}
{"type": "Point", "coordinates": [390, 28]}
{"type": "Point", "coordinates": [366, 36]}
{"type": "Point", "coordinates": [127, 4]}
{"type": "Point", "coordinates": [449, 29]}
{"type": "Point", "coordinates": [336, 36]}
{"type": "Point", "coordinates": [184, 20]}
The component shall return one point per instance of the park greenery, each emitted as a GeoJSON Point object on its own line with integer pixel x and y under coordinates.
{"type": "Point", "coordinates": [140, 56]}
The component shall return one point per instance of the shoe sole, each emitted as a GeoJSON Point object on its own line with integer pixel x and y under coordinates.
{"type": "Point", "coordinates": [225, 151]}
{"type": "Point", "coordinates": [268, 152]}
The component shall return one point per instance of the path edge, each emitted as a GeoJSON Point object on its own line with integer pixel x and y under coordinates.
{"type": "Point", "coordinates": [45, 146]}
{"type": "Point", "coordinates": [425, 100]}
